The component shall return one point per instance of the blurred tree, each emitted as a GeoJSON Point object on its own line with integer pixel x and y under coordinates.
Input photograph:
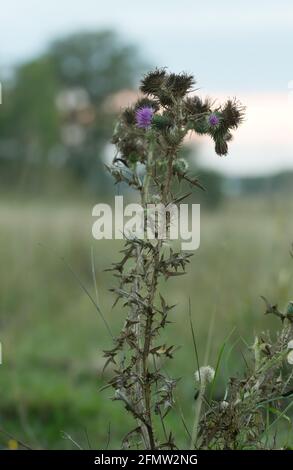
{"type": "Point", "coordinates": [91, 67]}
{"type": "Point", "coordinates": [54, 108]}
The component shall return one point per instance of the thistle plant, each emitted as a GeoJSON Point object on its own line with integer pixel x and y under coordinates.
{"type": "Point", "coordinates": [254, 403]}
{"type": "Point", "coordinates": [148, 138]}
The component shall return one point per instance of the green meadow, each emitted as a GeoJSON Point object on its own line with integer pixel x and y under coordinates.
{"type": "Point", "coordinates": [53, 337]}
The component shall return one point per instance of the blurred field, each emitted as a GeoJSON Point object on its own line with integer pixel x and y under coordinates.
{"type": "Point", "coordinates": [52, 337]}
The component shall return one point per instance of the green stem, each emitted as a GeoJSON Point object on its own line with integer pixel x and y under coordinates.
{"type": "Point", "coordinates": [149, 172]}
{"type": "Point", "coordinates": [198, 406]}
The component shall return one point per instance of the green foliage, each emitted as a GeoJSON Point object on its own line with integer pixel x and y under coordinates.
{"type": "Point", "coordinates": [35, 117]}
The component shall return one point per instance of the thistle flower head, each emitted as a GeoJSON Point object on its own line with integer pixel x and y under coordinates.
{"type": "Point", "coordinates": [233, 113]}
{"type": "Point", "coordinates": [195, 105]}
{"type": "Point", "coordinates": [143, 117]}
{"type": "Point", "coordinates": [221, 147]}
{"type": "Point", "coordinates": [161, 122]}
{"type": "Point", "coordinates": [128, 116]}
{"type": "Point", "coordinates": [153, 81]}
{"type": "Point", "coordinates": [179, 84]}
{"type": "Point", "coordinates": [213, 120]}
{"type": "Point", "coordinates": [205, 374]}
{"type": "Point", "coordinates": [147, 103]}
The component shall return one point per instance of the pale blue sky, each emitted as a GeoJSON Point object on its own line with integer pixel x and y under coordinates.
{"type": "Point", "coordinates": [241, 48]}
{"type": "Point", "coordinates": [232, 45]}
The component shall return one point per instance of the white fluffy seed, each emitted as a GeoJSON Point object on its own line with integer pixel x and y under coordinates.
{"type": "Point", "coordinates": [205, 374]}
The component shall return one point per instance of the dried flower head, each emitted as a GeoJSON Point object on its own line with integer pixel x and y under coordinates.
{"type": "Point", "coordinates": [233, 113]}
{"type": "Point", "coordinates": [205, 374]}
{"type": "Point", "coordinates": [153, 81]}
{"type": "Point", "coordinates": [179, 84]}
{"type": "Point", "coordinates": [128, 116]}
{"type": "Point", "coordinates": [143, 117]}
{"type": "Point", "coordinates": [195, 105]}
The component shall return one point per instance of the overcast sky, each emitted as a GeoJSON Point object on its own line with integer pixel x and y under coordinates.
{"type": "Point", "coordinates": [237, 47]}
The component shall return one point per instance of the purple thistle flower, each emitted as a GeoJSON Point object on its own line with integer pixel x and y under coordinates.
{"type": "Point", "coordinates": [213, 120]}
{"type": "Point", "coordinates": [143, 117]}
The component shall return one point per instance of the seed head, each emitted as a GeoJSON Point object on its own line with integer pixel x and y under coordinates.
{"type": "Point", "coordinates": [205, 374]}
{"type": "Point", "coordinates": [224, 405]}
